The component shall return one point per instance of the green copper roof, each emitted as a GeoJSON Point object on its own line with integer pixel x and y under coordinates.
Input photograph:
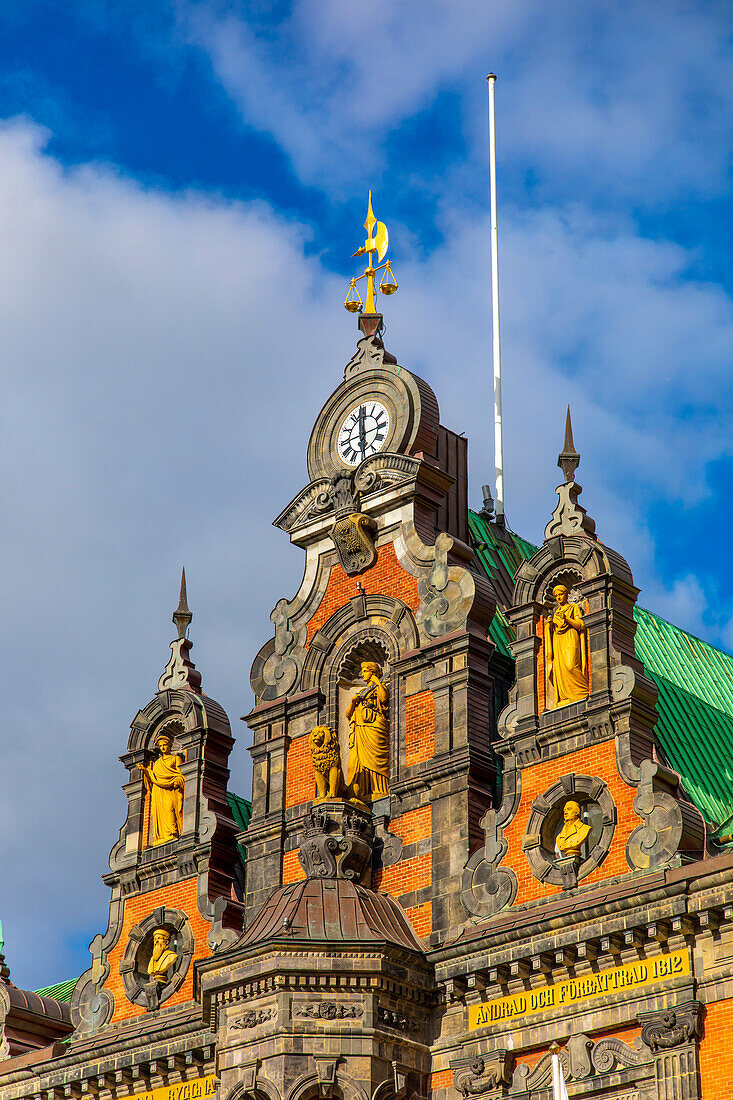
{"type": "Point", "coordinates": [695, 682]}
{"type": "Point", "coordinates": [241, 812]}
{"type": "Point", "coordinates": [60, 992]}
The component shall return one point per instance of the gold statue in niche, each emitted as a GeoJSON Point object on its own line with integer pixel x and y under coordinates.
{"type": "Point", "coordinates": [566, 653]}
{"type": "Point", "coordinates": [162, 958]}
{"type": "Point", "coordinates": [368, 715]}
{"type": "Point", "coordinates": [164, 781]}
{"type": "Point", "coordinates": [326, 758]}
{"type": "Point", "coordinates": [574, 832]}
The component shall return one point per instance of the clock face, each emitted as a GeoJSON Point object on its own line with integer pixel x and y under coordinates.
{"type": "Point", "coordinates": [363, 432]}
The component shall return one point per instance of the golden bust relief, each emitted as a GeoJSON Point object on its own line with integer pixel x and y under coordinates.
{"type": "Point", "coordinates": [567, 665]}
{"type": "Point", "coordinates": [165, 782]}
{"type": "Point", "coordinates": [326, 758]}
{"type": "Point", "coordinates": [163, 957]}
{"type": "Point", "coordinates": [368, 716]}
{"type": "Point", "coordinates": [574, 832]}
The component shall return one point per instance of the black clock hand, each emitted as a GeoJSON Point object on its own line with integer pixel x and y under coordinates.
{"type": "Point", "coordinates": [362, 429]}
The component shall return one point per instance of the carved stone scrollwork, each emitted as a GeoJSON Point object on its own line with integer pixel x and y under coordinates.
{"type": "Point", "coordinates": [447, 593]}
{"type": "Point", "coordinates": [276, 668]}
{"type": "Point", "coordinates": [388, 1018]}
{"type": "Point", "coordinates": [608, 1053]}
{"type": "Point", "coordinates": [253, 1018]}
{"type": "Point", "coordinates": [353, 537]}
{"type": "Point", "coordinates": [672, 829]}
{"type": "Point", "coordinates": [475, 1076]}
{"type": "Point", "coordinates": [370, 354]}
{"type": "Point", "coordinates": [328, 1010]}
{"type": "Point", "coordinates": [668, 1028]}
{"type": "Point", "coordinates": [338, 843]}
{"type": "Point", "coordinates": [526, 1079]}
{"type": "Point", "coordinates": [486, 888]}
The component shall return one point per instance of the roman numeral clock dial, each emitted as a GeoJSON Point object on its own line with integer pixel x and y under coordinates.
{"type": "Point", "coordinates": [363, 432]}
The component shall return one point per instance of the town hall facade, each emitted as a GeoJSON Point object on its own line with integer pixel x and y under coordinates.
{"type": "Point", "coordinates": [479, 830]}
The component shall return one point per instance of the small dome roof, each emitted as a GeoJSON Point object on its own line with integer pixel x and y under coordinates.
{"type": "Point", "coordinates": [330, 910]}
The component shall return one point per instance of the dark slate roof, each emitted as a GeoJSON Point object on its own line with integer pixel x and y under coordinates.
{"type": "Point", "coordinates": [695, 681]}
{"type": "Point", "coordinates": [330, 910]}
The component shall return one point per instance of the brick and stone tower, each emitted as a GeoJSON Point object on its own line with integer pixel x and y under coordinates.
{"type": "Point", "coordinates": [173, 872]}
{"type": "Point", "coordinates": [389, 578]}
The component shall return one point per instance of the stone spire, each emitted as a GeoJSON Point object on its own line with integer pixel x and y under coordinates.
{"type": "Point", "coordinates": [568, 460]}
{"type": "Point", "coordinates": [182, 616]}
{"type": "Point", "coordinates": [569, 517]}
{"type": "Point", "coordinates": [180, 672]}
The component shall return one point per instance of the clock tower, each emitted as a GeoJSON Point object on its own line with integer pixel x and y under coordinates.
{"type": "Point", "coordinates": [380, 670]}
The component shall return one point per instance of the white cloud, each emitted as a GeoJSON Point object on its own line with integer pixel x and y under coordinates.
{"type": "Point", "coordinates": [601, 100]}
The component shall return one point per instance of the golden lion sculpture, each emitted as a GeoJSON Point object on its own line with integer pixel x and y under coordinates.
{"type": "Point", "coordinates": [326, 758]}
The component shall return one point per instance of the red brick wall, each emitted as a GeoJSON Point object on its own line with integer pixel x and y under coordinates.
{"type": "Point", "coordinates": [292, 871]}
{"type": "Point", "coordinates": [442, 1080]}
{"type": "Point", "coordinates": [421, 918]}
{"type": "Point", "coordinates": [181, 896]}
{"type": "Point", "coordinates": [386, 577]}
{"type": "Point", "coordinates": [597, 760]}
{"type": "Point", "coordinates": [300, 785]}
{"type": "Point", "coordinates": [420, 728]}
{"type": "Point", "coordinates": [716, 1052]}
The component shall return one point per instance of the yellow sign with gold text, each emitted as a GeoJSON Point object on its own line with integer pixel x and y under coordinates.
{"type": "Point", "coordinates": [197, 1089]}
{"type": "Point", "coordinates": [616, 980]}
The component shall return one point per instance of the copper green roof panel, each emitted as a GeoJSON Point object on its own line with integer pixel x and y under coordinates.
{"type": "Point", "coordinates": [694, 679]}
{"type": "Point", "coordinates": [60, 992]}
{"type": "Point", "coordinates": [241, 810]}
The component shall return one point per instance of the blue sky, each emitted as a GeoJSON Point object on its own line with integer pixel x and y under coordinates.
{"type": "Point", "coordinates": [181, 188]}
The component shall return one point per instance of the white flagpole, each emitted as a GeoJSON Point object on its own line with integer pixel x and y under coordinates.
{"type": "Point", "coordinates": [559, 1092]}
{"type": "Point", "coordinates": [498, 439]}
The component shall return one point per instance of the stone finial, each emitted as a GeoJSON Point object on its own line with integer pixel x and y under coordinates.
{"type": "Point", "coordinates": [568, 460]}
{"type": "Point", "coordinates": [569, 517]}
{"type": "Point", "coordinates": [182, 616]}
{"type": "Point", "coordinates": [180, 672]}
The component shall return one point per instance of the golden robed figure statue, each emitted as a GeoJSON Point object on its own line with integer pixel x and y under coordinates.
{"type": "Point", "coordinates": [566, 652]}
{"type": "Point", "coordinates": [165, 782]}
{"type": "Point", "coordinates": [368, 714]}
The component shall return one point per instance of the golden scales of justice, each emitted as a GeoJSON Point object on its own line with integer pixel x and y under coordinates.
{"type": "Point", "coordinates": [377, 241]}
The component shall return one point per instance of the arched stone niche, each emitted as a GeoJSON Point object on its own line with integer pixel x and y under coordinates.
{"type": "Point", "coordinates": [254, 1086]}
{"type": "Point", "coordinates": [545, 822]}
{"type": "Point", "coordinates": [600, 581]}
{"type": "Point", "coordinates": [136, 957]}
{"type": "Point", "coordinates": [369, 627]}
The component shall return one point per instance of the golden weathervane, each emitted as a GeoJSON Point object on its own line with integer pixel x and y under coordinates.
{"type": "Point", "coordinates": [377, 241]}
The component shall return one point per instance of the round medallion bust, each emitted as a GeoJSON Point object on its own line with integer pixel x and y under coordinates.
{"type": "Point", "coordinates": [572, 822]}
{"type": "Point", "coordinates": [157, 956]}
{"type": "Point", "coordinates": [381, 409]}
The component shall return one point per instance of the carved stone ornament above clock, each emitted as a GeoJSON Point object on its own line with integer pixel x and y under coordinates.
{"type": "Point", "coordinates": [385, 409]}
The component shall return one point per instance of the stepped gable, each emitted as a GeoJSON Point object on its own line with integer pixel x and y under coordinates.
{"type": "Point", "coordinates": [694, 681]}
{"type": "Point", "coordinates": [175, 871]}
{"type": "Point", "coordinates": [390, 579]}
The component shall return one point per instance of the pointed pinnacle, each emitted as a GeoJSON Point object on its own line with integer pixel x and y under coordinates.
{"type": "Point", "coordinates": [568, 459]}
{"type": "Point", "coordinates": [182, 616]}
{"type": "Point", "coordinates": [569, 446]}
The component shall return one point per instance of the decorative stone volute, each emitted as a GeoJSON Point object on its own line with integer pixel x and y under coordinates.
{"type": "Point", "coordinates": [180, 672]}
{"type": "Point", "coordinates": [569, 517]}
{"type": "Point", "coordinates": [337, 842]}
